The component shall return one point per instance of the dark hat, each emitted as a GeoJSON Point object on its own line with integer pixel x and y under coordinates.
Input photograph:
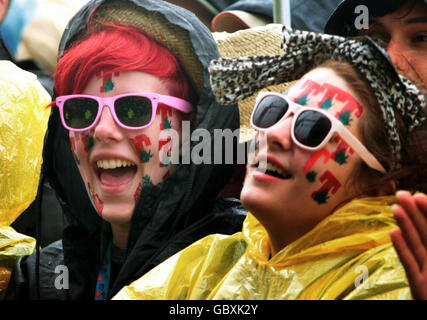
{"type": "Point", "coordinates": [341, 21]}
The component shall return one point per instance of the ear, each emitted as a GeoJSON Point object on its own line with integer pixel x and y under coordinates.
{"type": "Point", "coordinates": [386, 188]}
{"type": "Point", "coordinates": [4, 5]}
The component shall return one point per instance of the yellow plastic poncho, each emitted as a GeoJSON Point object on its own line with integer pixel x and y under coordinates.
{"type": "Point", "coordinates": [348, 255]}
{"type": "Point", "coordinates": [23, 123]}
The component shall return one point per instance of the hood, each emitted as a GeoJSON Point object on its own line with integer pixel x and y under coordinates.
{"type": "Point", "coordinates": [163, 210]}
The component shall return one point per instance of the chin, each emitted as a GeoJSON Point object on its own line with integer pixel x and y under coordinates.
{"type": "Point", "coordinates": [254, 200]}
{"type": "Point", "coordinates": [117, 214]}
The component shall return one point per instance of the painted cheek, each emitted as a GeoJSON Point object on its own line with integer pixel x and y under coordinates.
{"type": "Point", "coordinates": [311, 174]}
{"type": "Point", "coordinates": [137, 192]}
{"type": "Point", "coordinates": [141, 142]}
{"type": "Point", "coordinates": [170, 120]}
{"type": "Point", "coordinates": [85, 138]}
{"type": "Point", "coordinates": [165, 149]}
{"type": "Point", "coordinates": [147, 180]}
{"type": "Point", "coordinates": [330, 184]}
{"type": "Point", "coordinates": [166, 114]}
{"type": "Point", "coordinates": [342, 152]}
{"type": "Point", "coordinates": [99, 204]}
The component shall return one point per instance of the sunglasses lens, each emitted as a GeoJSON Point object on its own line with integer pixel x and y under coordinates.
{"type": "Point", "coordinates": [269, 111]}
{"type": "Point", "coordinates": [133, 111]}
{"type": "Point", "coordinates": [311, 128]}
{"type": "Point", "coordinates": [80, 113]}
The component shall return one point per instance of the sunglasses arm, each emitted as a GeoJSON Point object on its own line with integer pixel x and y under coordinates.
{"type": "Point", "coordinates": [361, 150]}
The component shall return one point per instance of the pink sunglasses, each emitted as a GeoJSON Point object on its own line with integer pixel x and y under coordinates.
{"type": "Point", "coordinates": [80, 112]}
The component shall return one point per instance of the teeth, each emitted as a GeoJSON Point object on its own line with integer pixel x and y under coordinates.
{"type": "Point", "coordinates": [113, 164]}
{"type": "Point", "coordinates": [274, 168]}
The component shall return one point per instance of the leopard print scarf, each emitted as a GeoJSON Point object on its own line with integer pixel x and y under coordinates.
{"type": "Point", "coordinates": [234, 79]}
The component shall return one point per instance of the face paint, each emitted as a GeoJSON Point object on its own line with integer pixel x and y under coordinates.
{"type": "Point", "coordinates": [88, 142]}
{"type": "Point", "coordinates": [326, 104]}
{"type": "Point", "coordinates": [86, 138]}
{"type": "Point", "coordinates": [327, 95]}
{"type": "Point", "coordinates": [311, 176]}
{"type": "Point", "coordinates": [137, 192]}
{"type": "Point", "coordinates": [165, 149]}
{"type": "Point", "coordinates": [166, 175]}
{"type": "Point", "coordinates": [317, 155]}
{"type": "Point", "coordinates": [345, 117]}
{"type": "Point", "coordinates": [166, 124]}
{"type": "Point", "coordinates": [302, 100]}
{"type": "Point", "coordinates": [99, 204]}
{"type": "Point", "coordinates": [107, 81]}
{"type": "Point", "coordinates": [139, 142]}
{"type": "Point", "coordinates": [340, 157]}
{"type": "Point", "coordinates": [147, 180]}
{"type": "Point", "coordinates": [330, 184]}
{"type": "Point", "coordinates": [164, 113]}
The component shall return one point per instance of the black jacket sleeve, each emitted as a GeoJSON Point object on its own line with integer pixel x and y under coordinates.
{"type": "Point", "coordinates": [52, 282]}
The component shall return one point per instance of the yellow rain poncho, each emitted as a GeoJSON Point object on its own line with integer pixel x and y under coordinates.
{"type": "Point", "coordinates": [23, 123]}
{"type": "Point", "coordinates": [348, 255]}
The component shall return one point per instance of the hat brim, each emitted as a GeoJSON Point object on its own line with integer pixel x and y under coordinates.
{"type": "Point", "coordinates": [235, 20]}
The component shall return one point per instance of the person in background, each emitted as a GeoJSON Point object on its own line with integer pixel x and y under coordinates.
{"type": "Point", "coordinates": [320, 186]}
{"type": "Point", "coordinates": [400, 27]}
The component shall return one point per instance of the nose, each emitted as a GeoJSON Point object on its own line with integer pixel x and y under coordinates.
{"type": "Point", "coordinates": [396, 51]}
{"type": "Point", "coordinates": [106, 129]}
{"type": "Point", "coordinates": [279, 136]}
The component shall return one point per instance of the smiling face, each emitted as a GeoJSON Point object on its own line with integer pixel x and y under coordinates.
{"type": "Point", "coordinates": [116, 163]}
{"type": "Point", "coordinates": [404, 35]}
{"type": "Point", "coordinates": [302, 187]}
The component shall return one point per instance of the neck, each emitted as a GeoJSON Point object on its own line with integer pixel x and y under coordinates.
{"type": "Point", "coordinates": [279, 239]}
{"type": "Point", "coordinates": [120, 235]}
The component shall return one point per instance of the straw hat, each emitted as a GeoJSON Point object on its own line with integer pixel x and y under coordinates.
{"type": "Point", "coordinates": [234, 20]}
{"type": "Point", "coordinates": [264, 40]}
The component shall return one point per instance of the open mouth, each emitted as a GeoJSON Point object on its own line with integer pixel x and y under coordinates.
{"type": "Point", "coordinates": [115, 172]}
{"type": "Point", "coordinates": [273, 170]}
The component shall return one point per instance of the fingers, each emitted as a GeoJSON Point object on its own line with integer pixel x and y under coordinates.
{"type": "Point", "coordinates": [416, 209]}
{"type": "Point", "coordinates": [405, 255]}
{"type": "Point", "coordinates": [403, 214]}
